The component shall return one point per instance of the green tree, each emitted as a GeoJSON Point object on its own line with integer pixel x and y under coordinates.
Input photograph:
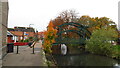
{"type": "Point", "coordinates": [99, 43]}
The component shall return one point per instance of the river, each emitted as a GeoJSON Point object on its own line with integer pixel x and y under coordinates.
{"type": "Point", "coordinates": [77, 58]}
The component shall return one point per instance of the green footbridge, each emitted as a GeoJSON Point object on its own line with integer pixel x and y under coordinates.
{"type": "Point", "coordinates": [81, 30]}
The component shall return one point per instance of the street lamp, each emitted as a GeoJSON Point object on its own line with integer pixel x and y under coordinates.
{"type": "Point", "coordinates": [30, 24]}
{"type": "Point", "coordinates": [30, 30]}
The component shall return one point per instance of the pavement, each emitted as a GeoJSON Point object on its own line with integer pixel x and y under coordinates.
{"type": "Point", "coordinates": [0, 63]}
{"type": "Point", "coordinates": [25, 56]}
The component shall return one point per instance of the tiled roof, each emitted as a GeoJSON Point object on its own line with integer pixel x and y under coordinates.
{"type": "Point", "coordinates": [40, 33]}
{"type": "Point", "coordinates": [25, 29]}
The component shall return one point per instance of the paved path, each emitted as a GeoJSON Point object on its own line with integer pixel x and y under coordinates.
{"type": "Point", "coordinates": [25, 57]}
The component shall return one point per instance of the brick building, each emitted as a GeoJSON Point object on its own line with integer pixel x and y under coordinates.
{"type": "Point", "coordinates": [10, 37]}
{"type": "Point", "coordinates": [40, 35]}
{"type": "Point", "coordinates": [22, 33]}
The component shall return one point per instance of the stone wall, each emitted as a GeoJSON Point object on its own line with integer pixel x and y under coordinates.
{"type": "Point", "coordinates": [3, 27]}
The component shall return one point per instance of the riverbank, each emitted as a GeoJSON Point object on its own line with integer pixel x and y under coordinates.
{"type": "Point", "coordinates": [115, 53]}
{"type": "Point", "coordinates": [51, 61]}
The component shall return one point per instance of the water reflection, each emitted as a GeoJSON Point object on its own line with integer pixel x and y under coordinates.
{"type": "Point", "coordinates": [117, 65]}
{"type": "Point", "coordinates": [85, 60]}
{"type": "Point", "coordinates": [77, 57]}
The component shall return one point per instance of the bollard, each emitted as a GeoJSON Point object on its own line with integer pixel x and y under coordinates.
{"type": "Point", "coordinates": [17, 49]}
{"type": "Point", "coordinates": [33, 50]}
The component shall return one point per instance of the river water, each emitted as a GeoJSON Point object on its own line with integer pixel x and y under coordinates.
{"type": "Point", "coordinates": [73, 58]}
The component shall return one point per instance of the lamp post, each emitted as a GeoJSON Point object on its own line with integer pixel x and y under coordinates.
{"type": "Point", "coordinates": [29, 27]}
{"type": "Point", "coordinates": [24, 30]}
{"type": "Point", "coordinates": [30, 24]}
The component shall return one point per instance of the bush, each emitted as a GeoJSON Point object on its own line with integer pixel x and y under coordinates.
{"type": "Point", "coordinates": [26, 40]}
{"type": "Point", "coordinates": [31, 38]}
{"type": "Point", "coordinates": [116, 52]}
{"type": "Point", "coordinates": [21, 40]}
{"type": "Point", "coordinates": [99, 42]}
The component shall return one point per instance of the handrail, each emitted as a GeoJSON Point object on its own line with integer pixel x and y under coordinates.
{"type": "Point", "coordinates": [33, 46]}
{"type": "Point", "coordinates": [18, 44]}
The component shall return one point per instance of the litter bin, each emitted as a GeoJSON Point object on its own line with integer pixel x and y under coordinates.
{"type": "Point", "coordinates": [10, 47]}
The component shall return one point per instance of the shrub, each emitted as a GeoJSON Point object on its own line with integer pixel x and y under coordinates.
{"type": "Point", "coordinates": [31, 38]}
{"type": "Point", "coordinates": [21, 40]}
{"type": "Point", "coordinates": [26, 40]}
{"type": "Point", "coordinates": [99, 42]}
{"type": "Point", "coordinates": [116, 52]}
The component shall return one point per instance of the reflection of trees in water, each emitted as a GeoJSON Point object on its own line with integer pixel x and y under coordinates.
{"type": "Point", "coordinates": [95, 60]}
{"type": "Point", "coordinates": [84, 60]}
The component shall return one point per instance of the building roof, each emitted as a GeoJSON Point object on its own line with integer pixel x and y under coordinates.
{"type": "Point", "coordinates": [39, 33]}
{"type": "Point", "coordinates": [9, 33]}
{"type": "Point", "coordinates": [25, 29]}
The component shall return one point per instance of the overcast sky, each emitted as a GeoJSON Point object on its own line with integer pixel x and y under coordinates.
{"type": "Point", "coordinates": [40, 12]}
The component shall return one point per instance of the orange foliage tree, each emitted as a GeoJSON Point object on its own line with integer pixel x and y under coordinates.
{"type": "Point", "coordinates": [49, 37]}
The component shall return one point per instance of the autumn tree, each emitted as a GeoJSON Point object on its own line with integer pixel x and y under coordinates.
{"type": "Point", "coordinates": [57, 21]}
{"type": "Point", "coordinates": [96, 23]}
{"type": "Point", "coordinates": [65, 17]}
{"type": "Point", "coordinates": [69, 15]}
{"type": "Point", "coordinates": [104, 22]}
{"type": "Point", "coordinates": [93, 23]}
{"type": "Point", "coordinates": [49, 37]}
